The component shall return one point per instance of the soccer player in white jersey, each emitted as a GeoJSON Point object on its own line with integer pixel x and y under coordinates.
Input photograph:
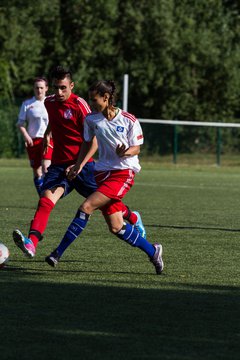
{"type": "Point", "coordinates": [32, 123]}
{"type": "Point", "coordinates": [119, 136]}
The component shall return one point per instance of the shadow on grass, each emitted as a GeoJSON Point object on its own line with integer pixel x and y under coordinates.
{"type": "Point", "coordinates": [192, 227]}
{"type": "Point", "coordinates": [41, 320]}
{"type": "Point", "coordinates": [35, 271]}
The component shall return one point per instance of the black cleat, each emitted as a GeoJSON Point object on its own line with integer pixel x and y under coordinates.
{"type": "Point", "coordinates": [53, 258]}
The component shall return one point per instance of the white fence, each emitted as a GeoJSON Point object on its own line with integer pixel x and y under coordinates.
{"type": "Point", "coordinates": [177, 123]}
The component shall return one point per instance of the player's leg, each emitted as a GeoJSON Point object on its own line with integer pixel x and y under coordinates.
{"type": "Point", "coordinates": [134, 218]}
{"type": "Point", "coordinates": [124, 230]}
{"type": "Point", "coordinates": [51, 194]}
{"type": "Point", "coordinates": [46, 158]}
{"type": "Point", "coordinates": [116, 186]}
{"type": "Point", "coordinates": [35, 156]}
{"type": "Point", "coordinates": [93, 202]}
{"type": "Point", "coordinates": [129, 234]}
{"type": "Point", "coordinates": [85, 184]}
{"type": "Point", "coordinates": [38, 179]}
{"type": "Point", "coordinates": [38, 225]}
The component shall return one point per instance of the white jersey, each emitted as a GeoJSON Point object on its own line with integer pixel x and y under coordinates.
{"type": "Point", "coordinates": [33, 112]}
{"type": "Point", "coordinates": [125, 129]}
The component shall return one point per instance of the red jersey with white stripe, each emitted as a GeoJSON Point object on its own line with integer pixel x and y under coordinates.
{"type": "Point", "coordinates": [66, 120]}
{"type": "Point", "coordinates": [125, 129]}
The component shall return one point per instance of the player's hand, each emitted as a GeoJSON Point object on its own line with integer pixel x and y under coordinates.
{"type": "Point", "coordinates": [45, 165]}
{"type": "Point", "coordinates": [72, 171]}
{"type": "Point", "coordinates": [121, 149]}
{"type": "Point", "coordinates": [28, 142]}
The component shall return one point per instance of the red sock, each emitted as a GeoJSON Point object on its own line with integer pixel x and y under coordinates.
{"type": "Point", "coordinates": [40, 220]}
{"type": "Point", "coordinates": [128, 214]}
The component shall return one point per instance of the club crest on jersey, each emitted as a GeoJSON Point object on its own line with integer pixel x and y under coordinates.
{"type": "Point", "coordinates": [120, 128]}
{"type": "Point", "coordinates": [67, 114]}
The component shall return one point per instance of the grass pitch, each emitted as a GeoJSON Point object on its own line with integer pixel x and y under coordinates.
{"type": "Point", "coordinates": [104, 300]}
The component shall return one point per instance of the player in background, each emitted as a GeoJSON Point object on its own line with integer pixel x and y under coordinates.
{"type": "Point", "coordinates": [119, 136]}
{"type": "Point", "coordinates": [32, 123]}
{"type": "Point", "coordinates": [66, 113]}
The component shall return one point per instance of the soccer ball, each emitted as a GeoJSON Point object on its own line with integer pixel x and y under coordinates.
{"type": "Point", "coordinates": [4, 255]}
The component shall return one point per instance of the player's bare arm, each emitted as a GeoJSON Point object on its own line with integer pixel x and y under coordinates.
{"type": "Point", "coordinates": [26, 136]}
{"type": "Point", "coordinates": [46, 139]}
{"type": "Point", "coordinates": [122, 150]}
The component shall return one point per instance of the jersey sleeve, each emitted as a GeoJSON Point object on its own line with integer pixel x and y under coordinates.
{"type": "Point", "coordinates": [45, 118]}
{"type": "Point", "coordinates": [88, 131]}
{"type": "Point", "coordinates": [22, 116]}
{"type": "Point", "coordinates": [46, 103]}
{"type": "Point", "coordinates": [49, 103]}
{"type": "Point", "coordinates": [84, 107]}
{"type": "Point", "coordinates": [135, 135]}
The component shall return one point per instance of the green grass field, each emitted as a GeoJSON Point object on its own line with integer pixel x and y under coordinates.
{"type": "Point", "coordinates": [104, 300]}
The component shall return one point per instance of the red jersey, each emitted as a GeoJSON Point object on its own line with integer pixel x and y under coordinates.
{"type": "Point", "coordinates": [66, 121]}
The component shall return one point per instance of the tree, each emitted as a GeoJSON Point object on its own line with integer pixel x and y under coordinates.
{"type": "Point", "coordinates": [182, 56]}
{"type": "Point", "coordinates": [22, 45]}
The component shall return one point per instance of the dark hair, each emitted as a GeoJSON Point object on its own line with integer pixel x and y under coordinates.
{"type": "Point", "coordinates": [41, 78]}
{"type": "Point", "coordinates": [60, 72]}
{"type": "Point", "coordinates": [105, 86]}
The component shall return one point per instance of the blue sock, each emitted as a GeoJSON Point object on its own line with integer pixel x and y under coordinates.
{"type": "Point", "coordinates": [129, 234]}
{"type": "Point", "coordinates": [38, 181]}
{"type": "Point", "coordinates": [75, 228]}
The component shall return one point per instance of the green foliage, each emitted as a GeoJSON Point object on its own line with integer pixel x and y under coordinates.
{"type": "Point", "coordinates": [182, 56]}
{"type": "Point", "coordinates": [9, 137]}
{"type": "Point", "coordinates": [205, 61]}
{"type": "Point", "coordinates": [22, 28]}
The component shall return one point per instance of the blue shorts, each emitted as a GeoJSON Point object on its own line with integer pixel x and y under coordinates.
{"type": "Point", "coordinates": [84, 182]}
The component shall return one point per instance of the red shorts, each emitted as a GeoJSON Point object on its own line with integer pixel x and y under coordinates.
{"type": "Point", "coordinates": [114, 184]}
{"type": "Point", "coordinates": [35, 153]}
{"type": "Point", "coordinates": [48, 154]}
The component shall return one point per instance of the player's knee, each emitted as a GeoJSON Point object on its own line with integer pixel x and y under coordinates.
{"type": "Point", "coordinates": [114, 229]}
{"type": "Point", "coordinates": [87, 208]}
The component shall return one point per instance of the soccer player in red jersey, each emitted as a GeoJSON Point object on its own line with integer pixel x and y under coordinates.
{"type": "Point", "coordinates": [119, 137]}
{"type": "Point", "coordinates": [66, 113]}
